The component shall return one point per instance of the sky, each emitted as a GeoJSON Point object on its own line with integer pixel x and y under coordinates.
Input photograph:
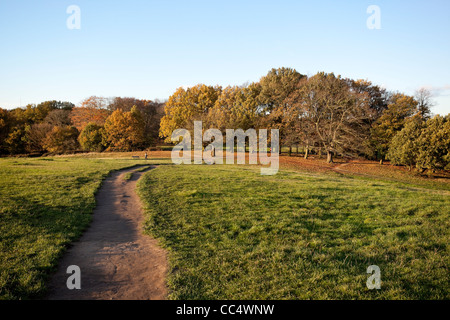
{"type": "Point", "coordinates": [148, 48]}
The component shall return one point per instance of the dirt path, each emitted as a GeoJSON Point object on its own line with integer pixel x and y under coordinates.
{"type": "Point", "coordinates": [116, 259]}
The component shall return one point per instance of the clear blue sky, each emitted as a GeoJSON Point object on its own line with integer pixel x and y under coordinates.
{"type": "Point", "coordinates": [148, 48]}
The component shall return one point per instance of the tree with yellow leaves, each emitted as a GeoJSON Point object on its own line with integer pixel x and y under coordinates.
{"type": "Point", "coordinates": [61, 139]}
{"type": "Point", "coordinates": [235, 108]}
{"type": "Point", "coordinates": [186, 106]}
{"type": "Point", "coordinates": [124, 131]}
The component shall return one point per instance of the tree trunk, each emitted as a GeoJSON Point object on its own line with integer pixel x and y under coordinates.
{"type": "Point", "coordinates": [290, 151]}
{"type": "Point", "coordinates": [306, 152]}
{"type": "Point", "coordinates": [330, 156]}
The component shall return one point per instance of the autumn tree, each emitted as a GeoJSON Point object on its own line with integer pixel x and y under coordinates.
{"type": "Point", "coordinates": [16, 141]}
{"type": "Point", "coordinates": [61, 140]}
{"type": "Point", "coordinates": [5, 127]}
{"type": "Point", "coordinates": [58, 118]}
{"type": "Point", "coordinates": [91, 137]}
{"type": "Point", "coordinates": [57, 115]}
{"type": "Point", "coordinates": [124, 131]}
{"type": "Point", "coordinates": [333, 114]}
{"type": "Point", "coordinates": [21, 120]}
{"type": "Point", "coordinates": [27, 127]}
{"type": "Point", "coordinates": [378, 97]}
{"type": "Point", "coordinates": [391, 121]}
{"type": "Point", "coordinates": [81, 116]}
{"type": "Point", "coordinates": [404, 146]}
{"type": "Point", "coordinates": [34, 114]}
{"type": "Point", "coordinates": [296, 126]}
{"type": "Point", "coordinates": [276, 86]}
{"type": "Point", "coordinates": [273, 101]}
{"type": "Point", "coordinates": [56, 105]}
{"type": "Point", "coordinates": [433, 151]}
{"type": "Point", "coordinates": [424, 144]}
{"type": "Point", "coordinates": [125, 103]}
{"type": "Point", "coordinates": [424, 100]}
{"type": "Point", "coordinates": [235, 108]}
{"type": "Point", "coordinates": [36, 135]}
{"type": "Point", "coordinates": [37, 113]}
{"type": "Point", "coordinates": [151, 111]}
{"type": "Point", "coordinates": [94, 102]}
{"type": "Point", "coordinates": [186, 106]}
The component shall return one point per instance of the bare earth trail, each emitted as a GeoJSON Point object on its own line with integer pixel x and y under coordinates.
{"type": "Point", "coordinates": [117, 261]}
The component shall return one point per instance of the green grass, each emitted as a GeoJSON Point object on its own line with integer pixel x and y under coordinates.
{"type": "Point", "coordinates": [127, 176]}
{"type": "Point", "coordinates": [45, 204]}
{"type": "Point", "coordinates": [234, 234]}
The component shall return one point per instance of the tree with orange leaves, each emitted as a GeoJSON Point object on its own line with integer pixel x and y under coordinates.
{"type": "Point", "coordinates": [124, 131]}
{"type": "Point", "coordinates": [81, 116]}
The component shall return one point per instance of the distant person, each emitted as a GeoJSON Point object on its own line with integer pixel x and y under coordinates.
{"type": "Point", "coordinates": [146, 156]}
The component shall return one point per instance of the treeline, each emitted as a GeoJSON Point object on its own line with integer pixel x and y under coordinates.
{"type": "Point", "coordinates": [98, 124]}
{"type": "Point", "coordinates": [323, 113]}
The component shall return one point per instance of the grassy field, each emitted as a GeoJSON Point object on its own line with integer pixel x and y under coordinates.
{"type": "Point", "coordinates": [45, 204]}
{"type": "Point", "coordinates": [234, 234]}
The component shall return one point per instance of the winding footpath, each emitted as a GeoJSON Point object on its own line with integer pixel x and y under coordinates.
{"type": "Point", "coordinates": [117, 261]}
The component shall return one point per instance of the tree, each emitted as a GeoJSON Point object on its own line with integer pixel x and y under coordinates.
{"type": "Point", "coordinates": [273, 101]}
{"type": "Point", "coordinates": [424, 144]}
{"type": "Point", "coordinates": [58, 117]}
{"type": "Point", "coordinates": [334, 115]}
{"type": "Point", "coordinates": [37, 113]}
{"type": "Point", "coordinates": [124, 131]}
{"type": "Point", "coordinates": [151, 111]}
{"type": "Point", "coordinates": [16, 142]}
{"type": "Point", "coordinates": [434, 144]}
{"type": "Point", "coordinates": [81, 116]}
{"type": "Point", "coordinates": [125, 104]}
{"type": "Point", "coordinates": [186, 106]}
{"type": "Point", "coordinates": [30, 125]}
{"type": "Point", "coordinates": [378, 100]}
{"type": "Point", "coordinates": [90, 138]}
{"type": "Point", "coordinates": [95, 102]}
{"type": "Point", "coordinates": [35, 136]}
{"type": "Point", "coordinates": [276, 86]}
{"type": "Point", "coordinates": [5, 127]}
{"type": "Point", "coordinates": [61, 140]}
{"type": "Point", "coordinates": [56, 105]}
{"type": "Point", "coordinates": [34, 114]}
{"type": "Point", "coordinates": [391, 121]}
{"type": "Point", "coordinates": [378, 97]}
{"type": "Point", "coordinates": [295, 126]}
{"type": "Point", "coordinates": [424, 102]}
{"type": "Point", "coordinates": [404, 147]}
{"type": "Point", "coordinates": [235, 108]}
